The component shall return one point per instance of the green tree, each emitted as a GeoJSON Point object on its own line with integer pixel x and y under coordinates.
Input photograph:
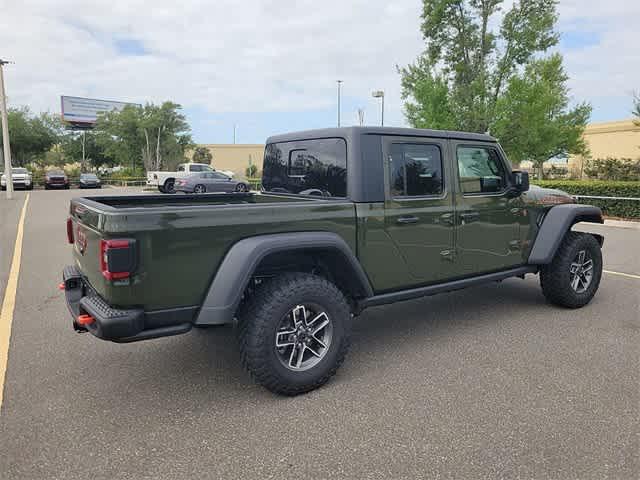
{"type": "Point", "coordinates": [533, 119]}
{"type": "Point", "coordinates": [202, 155]}
{"type": "Point", "coordinates": [153, 136]}
{"type": "Point", "coordinates": [470, 58]}
{"type": "Point", "coordinates": [31, 136]}
{"type": "Point", "coordinates": [71, 146]}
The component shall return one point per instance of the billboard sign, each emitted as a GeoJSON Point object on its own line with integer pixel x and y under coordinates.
{"type": "Point", "coordinates": [85, 110]}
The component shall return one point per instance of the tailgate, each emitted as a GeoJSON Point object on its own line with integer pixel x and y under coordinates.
{"type": "Point", "coordinates": [107, 263]}
{"type": "Point", "coordinates": [86, 241]}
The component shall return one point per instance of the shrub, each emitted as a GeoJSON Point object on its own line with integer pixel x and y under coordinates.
{"type": "Point", "coordinates": [613, 169]}
{"type": "Point", "coordinates": [251, 171]}
{"type": "Point", "coordinates": [599, 188]}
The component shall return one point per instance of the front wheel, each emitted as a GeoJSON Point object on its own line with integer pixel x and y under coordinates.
{"type": "Point", "coordinates": [294, 333]}
{"type": "Point", "coordinates": [573, 276]}
{"type": "Point", "coordinates": [241, 188]}
{"type": "Point", "coordinates": [168, 186]}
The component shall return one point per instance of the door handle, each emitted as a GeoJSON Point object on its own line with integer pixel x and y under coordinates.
{"type": "Point", "coordinates": [469, 216]}
{"type": "Point", "coordinates": [405, 220]}
{"type": "Point", "coordinates": [447, 218]}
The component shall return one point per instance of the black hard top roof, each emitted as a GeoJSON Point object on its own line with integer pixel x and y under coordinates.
{"type": "Point", "coordinates": [350, 132]}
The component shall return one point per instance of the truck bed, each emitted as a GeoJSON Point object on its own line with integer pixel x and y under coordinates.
{"type": "Point", "coordinates": [211, 199]}
{"type": "Point", "coordinates": [181, 239]}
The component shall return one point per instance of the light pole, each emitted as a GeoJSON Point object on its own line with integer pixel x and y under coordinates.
{"type": "Point", "coordinates": [339, 82]}
{"type": "Point", "coordinates": [380, 94]}
{"type": "Point", "coordinates": [5, 134]}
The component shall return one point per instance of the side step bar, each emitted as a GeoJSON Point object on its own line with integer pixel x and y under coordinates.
{"type": "Point", "coordinates": [393, 297]}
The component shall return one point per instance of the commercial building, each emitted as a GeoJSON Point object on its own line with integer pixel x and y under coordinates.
{"type": "Point", "coordinates": [620, 139]}
{"type": "Point", "coordinates": [235, 157]}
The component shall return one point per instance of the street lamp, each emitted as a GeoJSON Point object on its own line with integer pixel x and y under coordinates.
{"type": "Point", "coordinates": [339, 82]}
{"type": "Point", "coordinates": [5, 134]}
{"type": "Point", "coordinates": [380, 94]}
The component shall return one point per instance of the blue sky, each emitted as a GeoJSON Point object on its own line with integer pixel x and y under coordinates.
{"type": "Point", "coordinates": [270, 66]}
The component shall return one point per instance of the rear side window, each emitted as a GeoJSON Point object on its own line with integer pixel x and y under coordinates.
{"type": "Point", "coordinates": [196, 168]}
{"type": "Point", "coordinates": [481, 170]}
{"type": "Point", "coordinates": [415, 170]}
{"type": "Point", "coordinates": [307, 167]}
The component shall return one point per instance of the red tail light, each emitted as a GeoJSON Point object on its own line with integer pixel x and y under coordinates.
{"type": "Point", "coordinates": [70, 230]}
{"type": "Point", "coordinates": [117, 258]}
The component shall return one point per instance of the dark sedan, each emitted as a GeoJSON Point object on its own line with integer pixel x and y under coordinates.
{"type": "Point", "coordinates": [56, 179]}
{"type": "Point", "coordinates": [89, 180]}
{"type": "Point", "coordinates": [205, 182]}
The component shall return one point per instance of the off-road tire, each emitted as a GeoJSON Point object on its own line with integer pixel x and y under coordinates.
{"type": "Point", "coordinates": [258, 323]}
{"type": "Point", "coordinates": [555, 277]}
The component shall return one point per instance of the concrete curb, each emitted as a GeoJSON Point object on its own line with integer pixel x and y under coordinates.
{"type": "Point", "coordinates": [622, 224]}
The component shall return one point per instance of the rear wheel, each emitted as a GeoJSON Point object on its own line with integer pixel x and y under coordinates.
{"type": "Point", "coordinates": [573, 276]}
{"type": "Point", "coordinates": [294, 333]}
{"type": "Point", "coordinates": [199, 189]}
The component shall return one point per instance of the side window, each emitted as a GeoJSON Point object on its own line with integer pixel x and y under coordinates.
{"type": "Point", "coordinates": [195, 168]}
{"type": "Point", "coordinates": [415, 170]}
{"type": "Point", "coordinates": [180, 168]}
{"type": "Point", "coordinates": [307, 167]}
{"type": "Point", "coordinates": [218, 176]}
{"type": "Point", "coordinates": [481, 170]}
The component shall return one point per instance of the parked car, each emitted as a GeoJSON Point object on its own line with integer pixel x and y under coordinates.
{"type": "Point", "coordinates": [89, 180]}
{"type": "Point", "coordinates": [404, 213]}
{"type": "Point", "coordinates": [22, 178]}
{"type": "Point", "coordinates": [56, 179]}
{"type": "Point", "coordinates": [207, 182]}
{"type": "Point", "coordinates": [165, 181]}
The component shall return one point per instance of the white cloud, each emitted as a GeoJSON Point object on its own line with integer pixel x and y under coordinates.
{"type": "Point", "coordinates": [270, 55]}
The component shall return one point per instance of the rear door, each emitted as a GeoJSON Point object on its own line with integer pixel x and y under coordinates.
{"type": "Point", "coordinates": [419, 215]}
{"type": "Point", "coordinates": [219, 182]}
{"type": "Point", "coordinates": [487, 215]}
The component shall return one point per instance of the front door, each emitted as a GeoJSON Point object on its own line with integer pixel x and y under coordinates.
{"type": "Point", "coordinates": [488, 215]}
{"type": "Point", "coordinates": [419, 216]}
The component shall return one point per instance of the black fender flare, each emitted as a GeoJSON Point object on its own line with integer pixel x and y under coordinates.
{"type": "Point", "coordinates": [239, 264]}
{"type": "Point", "coordinates": [556, 223]}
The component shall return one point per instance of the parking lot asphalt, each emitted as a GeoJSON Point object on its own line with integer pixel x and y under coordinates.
{"type": "Point", "coordinates": [489, 382]}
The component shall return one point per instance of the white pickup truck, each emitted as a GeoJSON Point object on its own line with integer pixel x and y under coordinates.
{"type": "Point", "coordinates": [165, 181]}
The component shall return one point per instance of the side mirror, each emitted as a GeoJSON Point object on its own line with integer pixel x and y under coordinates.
{"type": "Point", "coordinates": [521, 180]}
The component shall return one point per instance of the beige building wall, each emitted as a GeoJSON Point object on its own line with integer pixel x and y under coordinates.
{"type": "Point", "coordinates": [619, 139]}
{"type": "Point", "coordinates": [235, 157]}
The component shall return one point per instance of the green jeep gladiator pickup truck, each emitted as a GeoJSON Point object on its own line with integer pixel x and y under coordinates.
{"type": "Point", "coordinates": [348, 218]}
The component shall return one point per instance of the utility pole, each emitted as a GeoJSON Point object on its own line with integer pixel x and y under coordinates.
{"type": "Point", "coordinates": [235, 127]}
{"type": "Point", "coordinates": [5, 134]}
{"type": "Point", "coordinates": [339, 82]}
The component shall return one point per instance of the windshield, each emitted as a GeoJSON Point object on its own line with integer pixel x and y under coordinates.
{"type": "Point", "coordinates": [89, 176]}
{"type": "Point", "coordinates": [19, 170]}
{"type": "Point", "coordinates": [55, 172]}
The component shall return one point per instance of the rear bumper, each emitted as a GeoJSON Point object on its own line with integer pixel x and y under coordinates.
{"type": "Point", "coordinates": [119, 325]}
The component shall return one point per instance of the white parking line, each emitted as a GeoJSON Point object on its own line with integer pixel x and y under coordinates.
{"type": "Point", "coordinates": [622, 274]}
{"type": "Point", "coordinates": [9, 302]}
